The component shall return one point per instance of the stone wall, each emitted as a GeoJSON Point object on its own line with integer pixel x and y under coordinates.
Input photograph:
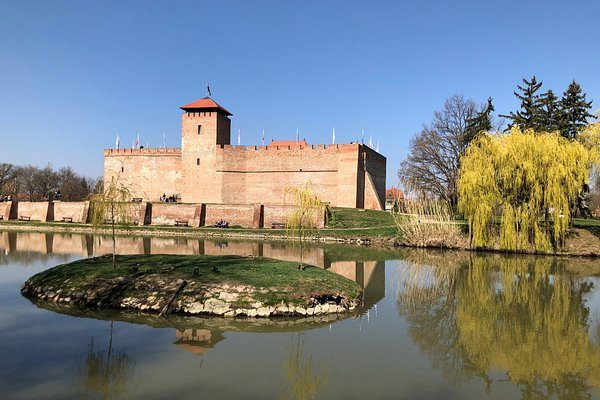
{"type": "Point", "coordinates": [169, 213]}
{"type": "Point", "coordinates": [76, 210]}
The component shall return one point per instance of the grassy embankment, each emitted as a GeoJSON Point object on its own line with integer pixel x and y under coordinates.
{"type": "Point", "coordinates": [271, 282]}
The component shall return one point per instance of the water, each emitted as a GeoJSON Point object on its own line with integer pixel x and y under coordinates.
{"type": "Point", "coordinates": [435, 325]}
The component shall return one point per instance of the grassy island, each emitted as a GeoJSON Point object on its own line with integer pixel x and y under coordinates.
{"type": "Point", "coordinates": [210, 285]}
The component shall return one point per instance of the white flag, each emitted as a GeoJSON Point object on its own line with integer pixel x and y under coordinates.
{"type": "Point", "coordinates": [333, 140]}
{"type": "Point", "coordinates": [239, 137]}
{"type": "Point", "coordinates": [263, 137]}
{"type": "Point", "coordinates": [164, 140]}
{"type": "Point", "coordinates": [118, 141]}
{"type": "Point", "coordinates": [371, 141]}
{"type": "Point", "coordinates": [362, 139]}
{"type": "Point", "coordinates": [137, 141]}
{"type": "Point", "coordinates": [378, 145]}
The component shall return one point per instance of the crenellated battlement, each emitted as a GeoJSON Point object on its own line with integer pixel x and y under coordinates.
{"type": "Point", "coordinates": [207, 168]}
{"type": "Point", "coordinates": [320, 148]}
{"type": "Point", "coordinates": [143, 151]}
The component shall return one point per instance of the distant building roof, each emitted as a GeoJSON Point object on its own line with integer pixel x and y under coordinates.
{"type": "Point", "coordinates": [302, 143]}
{"type": "Point", "coordinates": [205, 104]}
{"type": "Point", "coordinates": [394, 193]}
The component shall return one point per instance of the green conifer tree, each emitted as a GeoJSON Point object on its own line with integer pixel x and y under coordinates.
{"type": "Point", "coordinates": [550, 112]}
{"type": "Point", "coordinates": [529, 114]}
{"type": "Point", "coordinates": [574, 111]}
{"type": "Point", "coordinates": [481, 122]}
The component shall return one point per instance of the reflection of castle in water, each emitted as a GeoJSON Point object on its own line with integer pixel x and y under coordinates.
{"type": "Point", "coordinates": [369, 275]}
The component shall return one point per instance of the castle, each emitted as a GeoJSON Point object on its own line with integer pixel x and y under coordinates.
{"type": "Point", "coordinates": [208, 169]}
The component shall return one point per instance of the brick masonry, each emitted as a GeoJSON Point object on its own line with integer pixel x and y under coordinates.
{"type": "Point", "coordinates": [207, 169]}
{"type": "Point", "coordinates": [75, 211]}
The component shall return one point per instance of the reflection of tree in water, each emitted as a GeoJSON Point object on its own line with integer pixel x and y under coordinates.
{"type": "Point", "coordinates": [521, 315]}
{"type": "Point", "coordinates": [303, 379]}
{"type": "Point", "coordinates": [106, 374]}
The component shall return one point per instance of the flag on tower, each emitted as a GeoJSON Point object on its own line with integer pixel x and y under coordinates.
{"type": "Point", "coordinates": [333, 139]}
{"type": "Point", "coordinates": [208, 90]}
{"type": "Point", "coordinates": [362, 139]}
{"type": "Point", "coordinates": [164, 140]}
{"type": "Point", "coordinates": [371, 141]}
{"type": "Point", "coordinates": [263, 137]}
{"type": "Point", "coordinates": [378, 145]}
{"type": "Point", "coordinates": [137, 141]}
{"type": "Point", "coordinates": [118, 141]}
{"type": "Point", "coordinates": [297, 135]}
{"type": "Point", "coordinates": [239, 137]}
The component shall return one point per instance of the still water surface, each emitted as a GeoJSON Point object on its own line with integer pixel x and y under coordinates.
{"type": "Point", "coordinates": [435, 325]}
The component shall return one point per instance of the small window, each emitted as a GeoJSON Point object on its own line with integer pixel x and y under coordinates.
{"type": "Point", "coordinates": [199, 129]}
{"type": "Point", "coordinates": [122, 169]}
{"type": "Point", "coordinates": [197, 161]}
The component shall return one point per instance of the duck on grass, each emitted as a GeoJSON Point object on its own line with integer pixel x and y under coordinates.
{"type": "Point", "coordinates": [228, 286]}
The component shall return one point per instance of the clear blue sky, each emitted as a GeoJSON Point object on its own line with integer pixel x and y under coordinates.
{"type": "Point", "coordinates": [74, 74]}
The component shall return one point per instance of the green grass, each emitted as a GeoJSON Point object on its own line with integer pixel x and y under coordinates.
{"type": "Point", "coordinates": [344, 218]}
{"type": "Point", "coordinates": [277, 280]}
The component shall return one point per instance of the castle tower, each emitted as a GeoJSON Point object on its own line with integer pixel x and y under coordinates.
{"type": "Point", "coordinates": [205, 125]}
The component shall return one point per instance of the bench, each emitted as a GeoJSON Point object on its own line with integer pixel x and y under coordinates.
{"type": "Point", "coordinates": [24, 218]}
{"type": "Point", "coordinates": [277, 225]}
{"type": "Point", "coordinates": [181, 223]}
{"type": "Point", "coordinates": [67, 219]}
{"type": "Point", "coordinates": [136, 200]}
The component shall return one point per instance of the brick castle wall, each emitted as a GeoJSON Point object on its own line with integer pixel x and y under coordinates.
{"type": "Point", "coordinates": [149, 173]}
{"type": "Point", "coordinates": [78, 211]}
{"type": "Point", "coordinates": [169, 213]}
{"type": "Point", "coordinates": [207, 169]}
{"type": "Point", "coordinates": [36, 211]}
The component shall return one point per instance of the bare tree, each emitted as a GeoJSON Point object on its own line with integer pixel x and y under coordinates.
{"type": "Point", "coordinates": [8, 174]}
{"type": "Point", "coordinates": [431, 167]}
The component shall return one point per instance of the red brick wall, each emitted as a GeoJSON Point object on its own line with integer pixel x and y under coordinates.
{"type": "Point", "coordinates": [168, 213]}
{"type": "Point", "coordinates": [5, 208]}
{"type": "Point", "coordinates": [148, 173]}
{"type": "Point", "coordinates": [236, 214]}
{"type": "Point", "coordinates": [37, 211]}
{"type": "Point", "coordinates": [279, 214]}
{"type": "Point", "coordinates": [77, 210]}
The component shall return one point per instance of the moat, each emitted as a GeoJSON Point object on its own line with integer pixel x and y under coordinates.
{"type": "Point", "coordinates": [432, 325]}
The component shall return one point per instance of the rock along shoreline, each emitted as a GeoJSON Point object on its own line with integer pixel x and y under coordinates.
{"type": "Point", "coordinates": [156, 286]}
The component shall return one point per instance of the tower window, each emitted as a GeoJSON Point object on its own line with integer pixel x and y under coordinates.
{"type": "Point", "coordinates": [197, 161]}
{"type": "Point", "coordinates": [122, 169]}
{"type": "Point", "coordinates": [199, 129]}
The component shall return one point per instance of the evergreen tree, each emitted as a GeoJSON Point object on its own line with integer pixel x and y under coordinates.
{"type": "Point", "coordinates": [481, 122]}
{"type": "Point", "coordinates": [550, 112]}
{"type": "Point", "coordinates": [529, 115]}
{"type": "Point", "coordinates": [574, 110]}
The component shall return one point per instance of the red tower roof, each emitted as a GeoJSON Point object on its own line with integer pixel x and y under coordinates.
{"type": "Point", "coordinates": [204, 104]}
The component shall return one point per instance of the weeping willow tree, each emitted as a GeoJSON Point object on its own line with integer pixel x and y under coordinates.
{"type": "Point", "coordinates": [530, 180]}
{"type": "Point", "coordinates": [524, 316]}
{"type": "Point", "coordinates": [304, 379]}
{"type": "Point", "coordinates": [302, 220]}
{"type": "Point", "coordinates": [111, 206]}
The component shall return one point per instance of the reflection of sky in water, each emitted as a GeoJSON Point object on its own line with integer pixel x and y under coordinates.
{"type": "Point", "coordinates": [370, 356]}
